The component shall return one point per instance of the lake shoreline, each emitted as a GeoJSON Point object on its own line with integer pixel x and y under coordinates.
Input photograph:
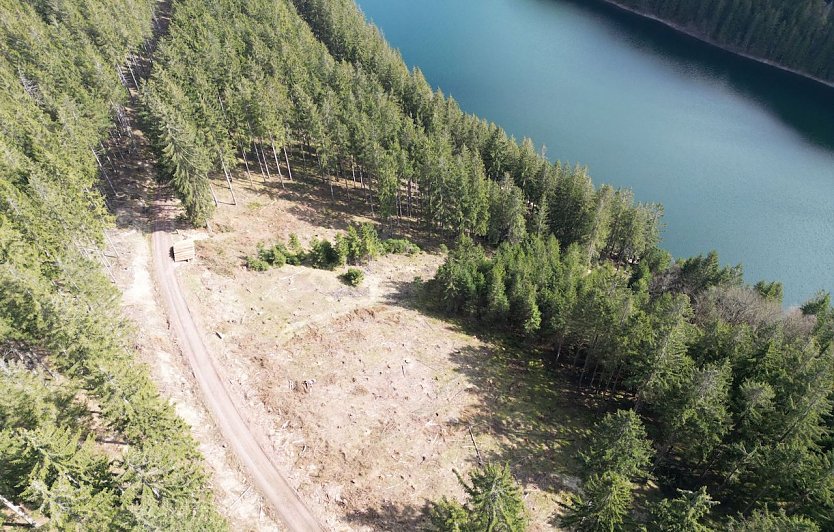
{"type": "Point", "coordinates": [681, 29]}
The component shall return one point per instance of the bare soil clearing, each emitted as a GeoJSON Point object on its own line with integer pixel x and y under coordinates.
{"type": "Point", "coordinates": [368, 400]}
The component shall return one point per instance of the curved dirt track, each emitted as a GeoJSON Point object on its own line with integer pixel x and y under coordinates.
{"type": "Point", "coordinates": [265, 475]}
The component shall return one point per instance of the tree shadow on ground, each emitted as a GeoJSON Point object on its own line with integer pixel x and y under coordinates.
{"type": "Point", "coordinates": [390, 516]}
{"type": "Point", "coordinates": [348, 204]}
{"type": "Point", "coordinates": [535, 417]}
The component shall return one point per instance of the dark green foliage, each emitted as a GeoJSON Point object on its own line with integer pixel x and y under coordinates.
{"type": "Point", "coordinates": [400, 246]}
{"type": "Point", "coordinates": [604, 505]}
{"type": "Point", "coordinates": [494, 504]}
{"type": "Point", "coordinates": [460, 280]}
{"type": "Point", "coordinates": [764, 521]}
{"type": "Point", "coordinates": [700, 273]}
{"type": "Point", "coordinates": [63, 344]}
{"type": "Point", "coordinates": [619, 444]}
{"type": "Point", "coordinates": [797, 34]}
{"type": "Point", "coordinates": [274, 256]}
{"type": "Point", "coordinates": [324, 255]}
{"type": "Point", "coordinates": [256, 264]}
{"type": "Point", "coordinates": [353, 276]}
{"type": "Point", "coordinates": [359, 244]}
{"type": "Point", "coordinates": [734, 393]}
{"type": "Point", "coordinates": [771, 291]}
{"type": "Point", "coordinates": [686, 513]}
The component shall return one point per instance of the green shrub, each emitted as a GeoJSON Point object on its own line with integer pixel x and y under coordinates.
{"type": "Point", "coordinates": [359, 244]}
{"type": "Point", "coordinates": [294, 244]}
{"type": "Point", "coordinates": [256, 264]}
{"type": "Point", "coordinates": [370, 246]}
{"type": "Point", "coordinates": [349, 245]}
{"type": "Point", "coordinates": [278, 259]}
{"type": "Point", "coordinates": [323, 255]}
{"type": "Point", "coordinates": [296, 259]}
{"type": "Point", "coordinates": [400, 246]}
{"type": "Point", "coordinates": [353, 277]}
{"type": "Point", "coordinates": [274, 256]}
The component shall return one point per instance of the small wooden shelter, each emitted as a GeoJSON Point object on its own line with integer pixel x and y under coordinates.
{"type": "Point", "coordinates": [184, 250]}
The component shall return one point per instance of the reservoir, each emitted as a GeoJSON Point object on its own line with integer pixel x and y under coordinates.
{"type": "Point", "coordinates": [741, 155]}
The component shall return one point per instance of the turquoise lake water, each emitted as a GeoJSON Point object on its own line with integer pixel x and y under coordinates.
{"type": "Point", "coordinates": [741, 155]}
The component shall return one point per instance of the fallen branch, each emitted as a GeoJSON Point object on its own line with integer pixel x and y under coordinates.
{"type": "Point", "coordinates": [480, 460]}
{"type": "Point", "coordinates": [18, 511]}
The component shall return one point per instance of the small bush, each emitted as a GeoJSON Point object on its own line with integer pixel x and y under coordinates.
{"type": "Point", "coordinates": [294, 244]}
{"type": "Point", "coordinates": [295, 259]}
{"type": "Point", "coordinates": [400, 246]}
{"type": "Point", "coordinates": [278, 259]}
{"type": "Point", "coordinates": [360, 244]}
{"type": "Point", "coordinates": [353, 277]}
{"type": "Point", "coordinates": [274, 256]}
{"type": "Point", "coordinates": [371, 247]}
{"type": "Point", "coordinates": [323, 255]}
{"type": "Point", "coordinates": [256, 264]}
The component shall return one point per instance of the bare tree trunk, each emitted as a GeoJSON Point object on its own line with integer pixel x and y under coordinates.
{"type": "Point", "coordinates": [576, 357]}
{"type": "Point", "coordinates": [371, 197]}
{"type": "Point", "coordinates": [286, 158]}
{"type": "Point", "coordinates": [245, 163]}
{"type": "Point", "coordinates": [211, 189]}
{"type": "Point", "coordinates": [260, 163]}
{"type": "Point", "coordinates": [612, 377]}
{"type": "Point", "coordinates": [103, 172]}
{"type": "Point", "coordinates": [329, 182]}
{"type": "Point", "coordinates": [17, 510]}
{"type": "Point", "coordinates": [584, 368]}
{"type": "Point", "coordinates": [594, 375]}
{"type": "Point", "coordinates": [410, 184]}
{"type": "Point", "coordinates": [266, 165]}
{"type": "Point", "coordinates": [277, 164]}
{"type": "Point", "coordinates": [228, 177]}
{"type": "Point", "coordinates": [132, 75]}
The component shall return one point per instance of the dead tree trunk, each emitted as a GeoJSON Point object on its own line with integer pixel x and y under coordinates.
{"type": "Point", "coordinates": [286, 158]}
{"type": "Point", "coordinates": [266, 165]}
{"type": "Point", "coordinates": [103, 172]}
{"type": "Point", "coordinates": [277, 164]}
{"type": "Point", "coordinates": [211, 189]}
{"type": "Point", "coordinates": [228, 177]}
{"type": "Point", "coordinates": [260, 163]}
{"type": "Point", "coordinates": [245, 163]}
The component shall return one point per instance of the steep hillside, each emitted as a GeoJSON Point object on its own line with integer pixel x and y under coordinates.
{"type": "Point", "coordinates": [85, 441]}
{"type": "Point", "coordinates": [794, 35]}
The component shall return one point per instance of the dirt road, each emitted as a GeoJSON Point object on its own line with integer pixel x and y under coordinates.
{"type": "Point", "coordinates": [236, 431]}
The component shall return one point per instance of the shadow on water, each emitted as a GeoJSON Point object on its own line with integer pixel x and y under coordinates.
{"type": "Point", "coordinates": [802, 104]}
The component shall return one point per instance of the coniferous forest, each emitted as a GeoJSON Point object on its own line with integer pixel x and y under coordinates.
{"type": "Point", "coordinates": [798, 35]}
{"type": "Point", "coordinates": [724, 399]}
{"type": "Point", "coordinates": [68, 381]}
